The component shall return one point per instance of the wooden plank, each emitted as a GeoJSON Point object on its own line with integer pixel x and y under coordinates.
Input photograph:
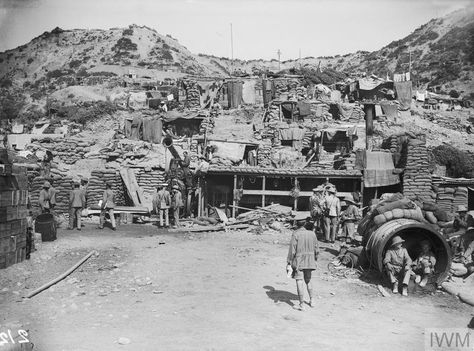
{"type": "Point", "coordinates": [130, 181]}
{"type": "Point", "coordinates": [287, 193]}
{"type": "Point", "coordinates": [263, 191]}
{"type": "Point", "coordinates": [208, 228]}
{"type": "Point", "coordinates": [234, 203]}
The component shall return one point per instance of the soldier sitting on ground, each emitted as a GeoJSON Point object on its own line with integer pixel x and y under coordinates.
{"type": "Point", "coordinates": [424, 265]}
{"type": "Point", "coordinates": [397, 264]}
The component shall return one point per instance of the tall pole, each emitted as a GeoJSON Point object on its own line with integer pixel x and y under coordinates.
{"type": "Point", "coordinates": [300, 59]}
{"type": "Point", "coordinates": [232, 50]}
{"type": "Point", "coordinates": [279, 54]}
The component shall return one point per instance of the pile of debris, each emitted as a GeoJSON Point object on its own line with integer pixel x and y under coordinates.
{"type": "Point", "coordinates": [68, 151]}
{"type": "Point", "coordinates": [448, 122]}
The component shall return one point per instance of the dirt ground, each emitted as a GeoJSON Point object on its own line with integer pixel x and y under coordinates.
{"type": "Point", "coordinates": [209, 291]}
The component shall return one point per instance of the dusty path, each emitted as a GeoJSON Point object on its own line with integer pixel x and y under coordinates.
{"type": "Point", "coordinates": [220, 291]}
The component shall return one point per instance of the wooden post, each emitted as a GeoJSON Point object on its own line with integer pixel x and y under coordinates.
{"type": "Point", "coordinates": [295, 202]}
{"type": "Point", "coordinates": [234, 203]}
{"type": "Point", "coordinates": [263, 191]}
{"type": "Point", "coordinates": [369, 110]}
{"type": "Point", "coordinates": [362, 191]}
{"type": "Point", "coordinates": [199, 197]}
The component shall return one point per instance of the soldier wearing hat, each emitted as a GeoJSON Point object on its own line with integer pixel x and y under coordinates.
{"type": "Point", "coordinates": [348, 218]}
{"type": "Point", "coordinates": [302, 255]}
{"type": "Point", "coordinates": [176, 203]}
{"type": "Point", "coordinates": [108, 205]}
{"type": "Point", "coordinates": [77, 201]}
{"type": "Point", "coordinates": [332, 211]}
{"type": "Point", "coordinates": [161, 204]}
{"type": "Point", "coordinates": [397, 263]}
{"type": "Point", "coordinates": [316, 206]}
{"type": "Point", "coordinates": [460, 221]}
{"type": "Point", "coordinates": [424, 264]}
{"type": "Point", "coordinates": [47, 198]}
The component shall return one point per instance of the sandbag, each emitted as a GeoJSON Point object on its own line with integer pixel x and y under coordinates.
{"type": "Point", "coordinates": [441, 215]}
{"type": "Point", "coordinates": [397, 213]}
{"type": "Point", "coordinates": [430, 217]}
{"type": "Point", "coordinates": [388, 215]}
{"type": "Point", "coordinates": [380, 219]}
{"type": "Point", "coordinates": [399, 204]}
{"type": "Point", "coordinates": [429, 206]}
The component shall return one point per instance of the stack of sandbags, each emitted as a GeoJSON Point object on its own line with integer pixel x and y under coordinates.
{"type": "Point", "coordinates": [345, 162]}
{"type": "Point", "coordinates": [320, 110]}
{"type": "Point", "coordinates": [417, 176]}
{"type": "Point", "coordinates": [97, 182]}
{"type": "Point", "coordinates": [207, 125]}
{"type": "Point", "coordinates": [398, 213]}
{"type": "Point", "coordinates": [68, 151]}
{"type": "Point", "coordinates": [149, 180]}
{"type": "Point", "coordinates": [434, 213]}
{"type": "Point", "coordinates": [300, 93]}
{"type": "Point", "coordinates": [193, 97]}
{"type": "Point", "coordinates": [460, 197]}
{"type": "Point", "coordinates": [273, 114]}
{"type": "Point", "coordinates": [445, 198]}
{"type": "Point", "coordinates": [264, 155]}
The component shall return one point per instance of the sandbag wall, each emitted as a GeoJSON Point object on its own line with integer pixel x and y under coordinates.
{"type": "Point", "coordinates": [13, 217]}
{"type": "Point", "coordinates": [97, 183]}
{"type": "Point", "coordinates": [149, 179]}
{"type": "Point", "coordinates": [62, 185]}
{"type": "Point", "coordinates": [449, 197]}
{"type": "Point", "coordinates": [417, 176]}
{"type": "Point", "coordinates": [68, 151]}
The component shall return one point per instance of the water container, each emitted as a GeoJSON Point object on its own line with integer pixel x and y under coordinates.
{"type": "Point", "coordinates": [46, 226]}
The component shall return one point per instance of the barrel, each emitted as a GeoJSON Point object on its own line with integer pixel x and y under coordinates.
{"type": "Point", "coordinates": [46, 226]}
{"type": "Point", "coordinates": [413, 232]}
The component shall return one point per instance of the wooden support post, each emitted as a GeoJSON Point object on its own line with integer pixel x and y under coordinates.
{"type": "Point", "coordinates": [362, 191]}
{"type": "Point", "coordinates": [295, 202]}
{"type": "Point", "coordinates": [263, 191]}
{"type": "Point", "coordinates": [199, 197]}
{"type": "Point", "coordinates": [234, 203]}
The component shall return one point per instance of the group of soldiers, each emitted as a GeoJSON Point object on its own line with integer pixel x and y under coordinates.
{"type": "Point", "coordinates": [78, 202]}
{"type": "Point", "coordinates": [165, 202]}
{"type": "Point", "coordinates": [325, 209]}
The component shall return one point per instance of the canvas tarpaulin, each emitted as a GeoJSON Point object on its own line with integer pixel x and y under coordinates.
{"type": "Point", "coordinates": [248, 92]}
{"type": "Point", "coordinates": [230, 151]}
{"type": "Point", "coordinates": [403, 90]}
{"type": "Point", "coordinates": [208, 92]}
{"type": "Point", "coordinates": [235, 93]}
{"type": "Point", "coordinates": [152, 130]}
{"type": "Point", "coordinates": [390, 110]}
{"type": "Point", "coordinates": [170, 116]}
{"type": "Point", "coordinates": [379, 169]}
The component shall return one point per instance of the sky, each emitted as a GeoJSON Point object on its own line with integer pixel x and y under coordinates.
{"type": "Point", "coordinates": [259, 27]}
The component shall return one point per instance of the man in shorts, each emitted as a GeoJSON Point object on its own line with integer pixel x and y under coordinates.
{"type": "Point", "coordinates": [302, 255]}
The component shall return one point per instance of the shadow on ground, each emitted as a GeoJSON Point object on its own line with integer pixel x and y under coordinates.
{"type": "Point", "coordinates": [280, 295]}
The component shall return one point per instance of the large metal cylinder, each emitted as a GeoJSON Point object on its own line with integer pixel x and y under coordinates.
{"type": "Point", "coordinates": [413, 232]}
{"type": "Point", "coordinates": [168, 143]}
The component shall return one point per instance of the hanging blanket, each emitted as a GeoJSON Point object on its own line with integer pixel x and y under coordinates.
{"type": "Point", "coordinates": [403, 90]}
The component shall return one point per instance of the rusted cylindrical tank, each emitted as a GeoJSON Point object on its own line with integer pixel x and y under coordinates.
{"type": "Point", "coordinates": [413, 232]}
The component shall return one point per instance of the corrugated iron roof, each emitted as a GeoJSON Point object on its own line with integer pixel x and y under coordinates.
{"type": "Point", "coordinates": [307, 172]}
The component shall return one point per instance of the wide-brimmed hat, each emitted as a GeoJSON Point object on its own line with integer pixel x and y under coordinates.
{"type": "Point", "coordinates": [46, 184]}
{"type": "Point", "coordinates": [176, 187]}
{"type": "Point", "coordinates": [349, 199]}
{"type": "Point", "coordinates": [331, 190]}
{"type": "Point", "coordinates": [397, 240]}
{"type": "Point", "coordinates": [319, 188]}
{"type": "Point", "coordinates": [461, 208]}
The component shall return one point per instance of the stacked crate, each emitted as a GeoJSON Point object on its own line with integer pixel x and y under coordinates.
{"type": "Point", "coordinates": [13, 216]}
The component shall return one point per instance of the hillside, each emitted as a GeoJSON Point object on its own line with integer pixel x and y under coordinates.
{"type": "Point", "coordinates": [441, 53]}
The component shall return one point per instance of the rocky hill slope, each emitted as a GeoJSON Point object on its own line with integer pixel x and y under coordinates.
{"type": "Point", "coordinates": [441, 52]}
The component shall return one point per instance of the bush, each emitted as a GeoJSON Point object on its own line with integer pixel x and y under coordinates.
{"type": "Point", "coordinates": [124, 44]}
{"type": "Point", "coordinates": [454, 94]}
{"type": "Point", "coordinates": [166, 55]}
{"type": "Point", "coordinates": [128, 31]}
{"type": "Point", "coordinates": [30, 60]}
{"type": "Point", "coordinates": [458, 163]}
{"type": "Point", "coordinates": [74, 63]}
{"type": "Point", "coordinates": [58, 73]}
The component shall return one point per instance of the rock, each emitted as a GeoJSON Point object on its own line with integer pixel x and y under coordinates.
{"type": "Point", "coordinates": [124, 341]}
{"type": "Point", "coordinates": [157, 292]}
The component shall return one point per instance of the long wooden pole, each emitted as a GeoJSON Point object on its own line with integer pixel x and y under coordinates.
{"type": "Point", "coordinates": [61, 277]}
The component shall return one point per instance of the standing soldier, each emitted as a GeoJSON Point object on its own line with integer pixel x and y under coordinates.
{"type": "Point", "coordinates": [176, 204]}
{"type": "Point", "coordinates": [316, 207]}
{"type": "Point", "coordinates": [161, 204]}
{"type": "Point", "coordinates": [349, 217]}
{"type": "Point", "coordinates": [108, 205]}
{"type": "Point", "coordinates": [302, 255]}
{"type": "Point", "coordinates": [332, 211]}
{"type": "Point", "coordinates": [46, 198]}
{"type": "Point", "coordinates": [77, 202]}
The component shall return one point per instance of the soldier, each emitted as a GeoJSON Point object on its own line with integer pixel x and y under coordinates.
{"type": "Point", "coordinates": [77, 201]}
